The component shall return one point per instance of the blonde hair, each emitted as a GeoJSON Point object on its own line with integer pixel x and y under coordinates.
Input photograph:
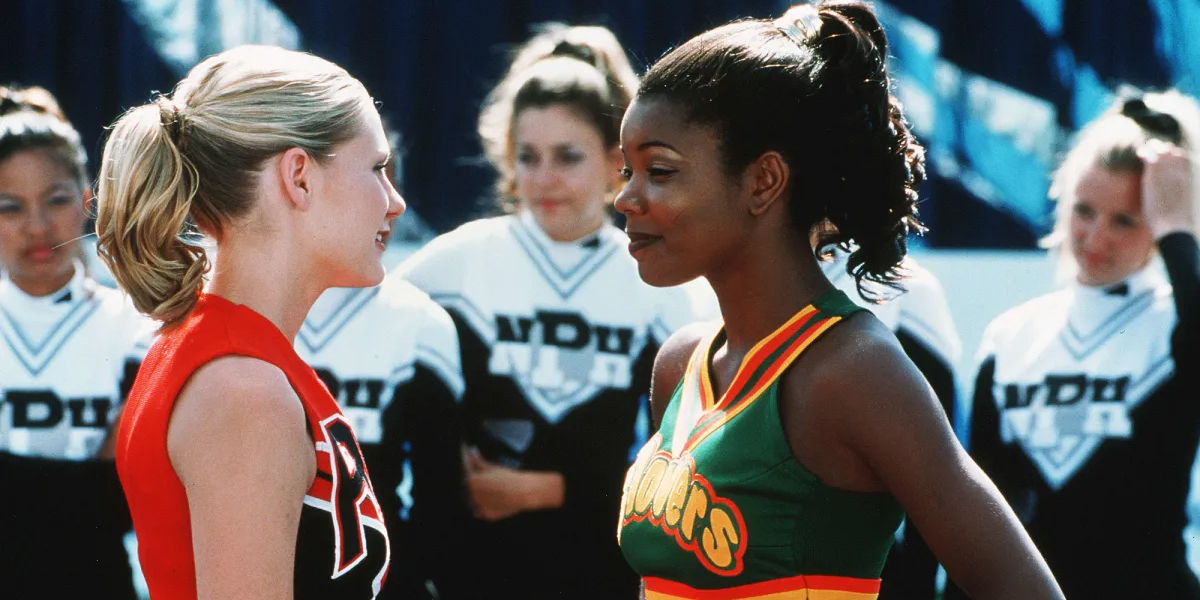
{"type": "Point", "coordinates": [582, 66]}
{"type": "Point", "coordinates": [191, 159]}
{"type": "Point", "coordinates": [1112, 141]}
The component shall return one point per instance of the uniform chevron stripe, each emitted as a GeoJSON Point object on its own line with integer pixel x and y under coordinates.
{"type": "Point", "coordinates": [800, 587]}
{"type": "Point", "coordinates": [761, 367]}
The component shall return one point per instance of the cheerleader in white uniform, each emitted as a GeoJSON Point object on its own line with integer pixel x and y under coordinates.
{"type": "Point", "coordinates": [1085, 409]}
{"type": "Point", "coordinates": [69, 350]}
{"type": "Point", "coordinates": [558, 332]}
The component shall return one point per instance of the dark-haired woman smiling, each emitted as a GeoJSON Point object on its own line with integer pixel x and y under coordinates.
{"type": "Point", "coordinates": [793, 437]}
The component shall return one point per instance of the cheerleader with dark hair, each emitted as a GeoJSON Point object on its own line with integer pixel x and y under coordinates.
{"type": "Point", "coordinates": [69, 354]}
{"type": "Point", "coordinates": [793, 437]}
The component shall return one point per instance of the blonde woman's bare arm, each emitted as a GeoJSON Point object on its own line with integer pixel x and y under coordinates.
{"type": "Point", "coordinates": [238, 442]}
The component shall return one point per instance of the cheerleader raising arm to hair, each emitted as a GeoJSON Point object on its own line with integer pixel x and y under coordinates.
{"type": "Point", "coordinates": [1085, 389]}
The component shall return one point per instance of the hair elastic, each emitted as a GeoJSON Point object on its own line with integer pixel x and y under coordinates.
{"type": "Point", "coordinates": [170, 117]}
{"type": "Point", "coordinates": [1151, 120]}
{"type": "Point", "coordinates": [801, 23]}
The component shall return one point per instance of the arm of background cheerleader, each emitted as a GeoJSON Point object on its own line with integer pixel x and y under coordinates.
{"type": "Point", "coordinates": [1182, 258]}
{"type": "Point", "coordinates": [426, 418]}
{"type": "Point", "coordinates": [498, 492]}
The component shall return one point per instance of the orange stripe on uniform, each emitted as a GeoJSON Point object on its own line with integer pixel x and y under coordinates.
{"type": "Point", "coordinates": [792, 353]}
{"type": "Point", "coordinates": [763, 382]}
{"type": "Point", "coordinates": [760, 352]}
{"type": "Point", "coordinates": [801, 587]}
{"type": "Point", "coordinates": [839, 595]}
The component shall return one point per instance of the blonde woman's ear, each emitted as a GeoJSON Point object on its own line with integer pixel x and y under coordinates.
{"type": "Point", "coordinates": [296, 170]}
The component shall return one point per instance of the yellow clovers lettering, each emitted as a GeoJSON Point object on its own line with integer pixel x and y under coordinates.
{"type": "Point", "coordinates": [667, 492]}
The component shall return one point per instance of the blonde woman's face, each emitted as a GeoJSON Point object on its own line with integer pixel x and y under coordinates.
{"type": "Point", "coordinates": [563, 171]}
{"type": "Point", "coordinates": [357, 204]}
{"type": "Point", "coordinates": [41, 219]}
{"type": "Point", "coordinates": [1108, 234]}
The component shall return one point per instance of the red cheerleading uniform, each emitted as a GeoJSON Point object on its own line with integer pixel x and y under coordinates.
{"type": "Point", "coordinates": [342, 548]}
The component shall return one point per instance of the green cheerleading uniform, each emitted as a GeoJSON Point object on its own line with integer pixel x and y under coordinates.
{"type": "Point", "coordinates": [715, 507]}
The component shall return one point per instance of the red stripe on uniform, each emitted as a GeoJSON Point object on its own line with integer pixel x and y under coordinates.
{"type": "Point", "coordinates": [757, 355]}
{"type": "Point", "coordinates": [774, 586]}
{"type": "Point", "coordinates": [843, 584]}
{"type": "Point", "coordinates": [710, 424]}
{"type": "Point", "coordinates": [322, 489]}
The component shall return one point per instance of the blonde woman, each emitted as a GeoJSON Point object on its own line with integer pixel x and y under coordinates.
{"type": "Point", "coordinates": [243, 477]}
{"type": "Point", "coordinates": [1085, 411]}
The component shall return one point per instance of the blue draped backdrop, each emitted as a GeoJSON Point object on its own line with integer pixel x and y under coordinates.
{"type": "Point", "coordinates": [994, 88]}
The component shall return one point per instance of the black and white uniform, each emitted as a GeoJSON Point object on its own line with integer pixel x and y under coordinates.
{"type": "Point", "coordinates": [1086, 415]}
{"type": "Point", "coordinates": [66, 363]}
{"type": "Point", "coordinates": [920, 318]}
{"type": "Point", "coordinates": [390, 357]}
{"type": "Point", "coordinates": [558, 342]}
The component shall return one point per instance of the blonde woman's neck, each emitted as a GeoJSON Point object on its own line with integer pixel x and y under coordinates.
{"type": "Point", "coordinates": [267, 276]}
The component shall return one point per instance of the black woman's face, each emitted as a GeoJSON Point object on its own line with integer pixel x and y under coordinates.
{"type": "Point", "coordinates": [683, 209]}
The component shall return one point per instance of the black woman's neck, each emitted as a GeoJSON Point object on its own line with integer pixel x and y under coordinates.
{"type": "Point", "coordinates": [764, 286]}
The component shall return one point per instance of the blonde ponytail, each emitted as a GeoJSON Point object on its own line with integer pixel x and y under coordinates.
{"type": "Point", "coordinates": [190, 162]}
{"type": "Point", "coordinates": [146, 189]}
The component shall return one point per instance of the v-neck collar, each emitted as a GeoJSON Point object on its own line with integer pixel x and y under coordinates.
{"type": "Point", "coordinates": [758, 371]}
{"type": "Point", "coordinates": [35, 328]}
{"type": "Point", "coordinates": [565, 266]}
